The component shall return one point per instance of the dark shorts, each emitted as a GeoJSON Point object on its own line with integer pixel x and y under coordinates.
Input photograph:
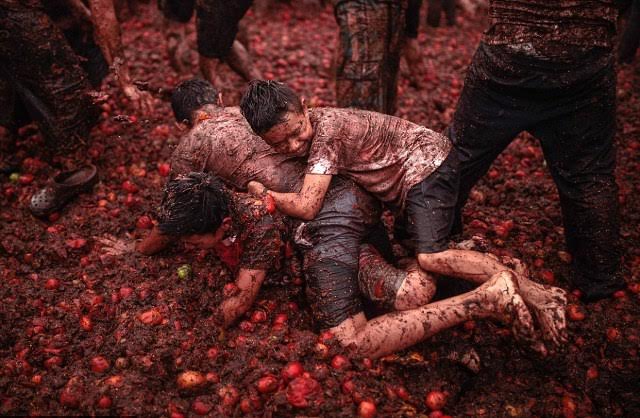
{"type": "Point", "coordinates": [216, 21]}
{"type": "Point", "coordinates": [177, 10]}
{"type": "Point", "coordinates": [430, 207]}
{"type": "Point", "coordinates": [331, 261]}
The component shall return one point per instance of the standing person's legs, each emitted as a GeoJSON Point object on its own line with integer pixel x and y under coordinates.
{"type": "Point", "coordinates": [630, 39]}
{"type": "Point", "coordinates": [578, 146]}
{"type": "Point", "coordinates": [485, 121]}
{"type": "Point", "coordinates": [433, 13]}
{"type": "Point", "coordinates": [217, 25]}
{"type": "Point", "coordinates": [368, 54]}
{"type": "Point", "coordinates": [46, 74]}
{"type": "Point", "coordinates": [498, 299]}
{"type": "Point", "coordinates": [176, 14]}
{"type": "Point", "coordinates": [449, 7]}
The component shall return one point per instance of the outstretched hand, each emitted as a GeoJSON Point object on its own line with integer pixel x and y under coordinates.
{"type": "Point", "coordinates": [142, 101]}
{"type": "Point", "coordinates": [116, 247]}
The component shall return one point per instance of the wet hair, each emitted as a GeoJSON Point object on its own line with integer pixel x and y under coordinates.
{"type": "Point", "coordinates": [190, 96]}
{"type": "Point", "coordinates": [193, 204]}
{"type": "Point", "coordinates": [265, 104]}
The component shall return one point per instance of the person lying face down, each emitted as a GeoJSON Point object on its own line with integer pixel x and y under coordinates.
{"type": "Point", "coordinates": [408, 167]}
{"type": "Point", "coordinates": [199, 209]}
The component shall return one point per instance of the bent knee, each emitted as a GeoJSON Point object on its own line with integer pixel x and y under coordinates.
{"type": "Point", "coordinates": [417, 289]}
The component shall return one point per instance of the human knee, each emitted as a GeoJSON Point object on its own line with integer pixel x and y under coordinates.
{"type": "Point", "coordinates": [429, 261]}
{"type": "Point", "coordinates": [416, 290]}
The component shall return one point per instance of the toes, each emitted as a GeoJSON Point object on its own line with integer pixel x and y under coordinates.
{"type": "Point", "coordinates": [523, 322]}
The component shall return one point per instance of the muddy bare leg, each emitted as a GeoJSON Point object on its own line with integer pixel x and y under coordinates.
{"type": "Point", "coordinates": [398, 289]}
{"type": "Point", "coordinates": [548, 303]}
{"type": "Point", "coordinates": [240, 61]}
{"type": "Point", "coordinates": [414, 61]}
{"type": "Point", "coordinates": [177, 47]}
{"type": "Point", "coordinates": [497, 299]}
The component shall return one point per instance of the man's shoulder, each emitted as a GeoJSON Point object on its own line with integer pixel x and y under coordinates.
{"type": "Point", "coordinates": [227, 126]}
{"type": "Point", "coordinates": [338, 116]}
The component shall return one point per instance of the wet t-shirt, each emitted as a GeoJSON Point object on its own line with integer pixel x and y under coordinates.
{"type": "Point", "coordinates": [553, 29]}
{"type": "Point", "coordinates": [225, 145]}
{"type": "Point", "coordinates": [384, 154]}
{"type": "Point", "coordinates": [262, 236]}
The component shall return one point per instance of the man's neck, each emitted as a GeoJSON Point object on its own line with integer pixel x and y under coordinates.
{"type": "Point", "coordinates": [204, 113]}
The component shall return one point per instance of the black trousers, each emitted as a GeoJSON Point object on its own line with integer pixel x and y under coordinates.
{"type": "Point", "coordinates": [570, 108]}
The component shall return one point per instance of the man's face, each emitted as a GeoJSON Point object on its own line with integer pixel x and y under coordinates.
{"type": "Point", "coordinates": [293, 136]}
{"type": "Point", "coordinates": [207, 240]}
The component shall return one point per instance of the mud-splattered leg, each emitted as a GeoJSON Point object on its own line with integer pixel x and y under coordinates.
{"type": "Point", "coordinates": [548, 303]}
{"type": "Point", "coordinates": [398, 289]}
{"type": "Point", "coordinates": [498, 299]}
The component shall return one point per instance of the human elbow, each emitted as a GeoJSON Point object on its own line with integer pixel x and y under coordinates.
{"type": "Point", "coordinates": [309, 214]}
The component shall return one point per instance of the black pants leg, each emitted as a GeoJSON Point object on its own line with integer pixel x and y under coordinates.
{"type": "Point", "coordinates": [484, 123]}
{"type": "Point", "coordinates": [630, 39]}
{"type": "Point", "coordinates": [578, 146]}
{"type": "Point", "coordinates": [449, 7]}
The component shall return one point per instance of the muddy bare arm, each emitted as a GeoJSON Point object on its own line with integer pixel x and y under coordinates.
{"type": "Point", "coordinates": [153, 243]}
{"type": "Point", "coordinates": [305, 204]}
{"type": "Point", "coordinates": [108, 37]}
{"type": "Point", "coordinates": [248, 282]}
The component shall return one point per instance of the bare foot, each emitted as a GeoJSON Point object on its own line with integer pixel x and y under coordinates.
{"type": "Point", "coordinates": [505, 303]}
{"type": "Point", "coordinates": [548, 304]}
{"type": "Point", "coordinates": [179, 53]}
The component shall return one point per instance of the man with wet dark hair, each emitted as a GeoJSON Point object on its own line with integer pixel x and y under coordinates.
{"type": "Point", "coordinates": [190, 96]}
{"type": "Point", "coordinates": [221, 142]}
{"type": "Point", "coordinates": [408, 167]}
{"type": "Point", "coordinates": [548, 68]}
{"type": "Point", "coordinates": [195, 205]}
{"type": "Point", "coordinates": [198, 209]}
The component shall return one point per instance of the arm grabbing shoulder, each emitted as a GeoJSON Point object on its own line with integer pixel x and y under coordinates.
{"type": "Point", "coordinates": [307, 203]}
